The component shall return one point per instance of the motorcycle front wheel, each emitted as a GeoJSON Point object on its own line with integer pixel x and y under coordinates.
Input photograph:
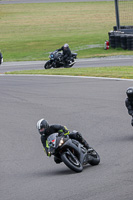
{"type": "Point", "coordinates": [72, 162]}
{"type": "Point", "coordinates": [48, 65]}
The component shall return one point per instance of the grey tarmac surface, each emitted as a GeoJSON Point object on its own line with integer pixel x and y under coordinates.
{"type": "Point", "coordinates": [92, 106]}
{"type": "Point", "coordinates": [92, 62]}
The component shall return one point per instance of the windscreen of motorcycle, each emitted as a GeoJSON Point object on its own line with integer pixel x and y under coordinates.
{"type": "Point", "coordinates": [52, 140]}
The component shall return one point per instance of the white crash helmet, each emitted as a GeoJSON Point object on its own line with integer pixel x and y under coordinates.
{"type": "Point", "coordinates": [66, 45]}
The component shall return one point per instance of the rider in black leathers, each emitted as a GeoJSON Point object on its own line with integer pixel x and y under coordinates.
{"type": "Point", "coordinates": [1, 57]}
{"type": "Point", "coordinates": [129, 102]}
{"type": "Point", "coordinates": [45, 130]}
{"type": "Point", "coordinates": [66, 53]}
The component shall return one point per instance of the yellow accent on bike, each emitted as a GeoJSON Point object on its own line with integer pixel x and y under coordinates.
{"type": "Point", "coordinates": [47, 144]}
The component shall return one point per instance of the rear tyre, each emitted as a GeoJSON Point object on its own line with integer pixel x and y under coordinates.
{"type": "Point", "coordinates": [71, 162]}
{"type": "Point", "coordinates": [48, 65]}
{"type": "Point", "coordinates": [70, 64]}
{"type": "Point", "coordinates": [94, 158]}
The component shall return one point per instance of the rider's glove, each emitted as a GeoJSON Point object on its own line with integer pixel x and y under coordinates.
{"type": "Point", "coordinates": [48, 154]}
{"type": "Point", "coordinates": [66, 131]}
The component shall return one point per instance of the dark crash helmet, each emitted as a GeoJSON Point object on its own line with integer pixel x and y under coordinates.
{"type": "Point", "coordinates": [129, 93]}
{"type": "Point", "coordinates": [42, 125]}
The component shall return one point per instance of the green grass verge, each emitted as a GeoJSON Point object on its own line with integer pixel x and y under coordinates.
{"type": "Point", "coordinates": [31, 31]}
{"type": "Point", "coordinates": [112, 72]}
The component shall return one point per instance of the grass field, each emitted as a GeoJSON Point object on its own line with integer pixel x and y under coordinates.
{"type": "Point", "coordinates": [112, 72]}
{"type": "Point", "coordinates": [31, 31]}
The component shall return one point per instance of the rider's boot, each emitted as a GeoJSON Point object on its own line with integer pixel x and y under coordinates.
{"type": "Point", "coordinates": [76, 135]}
{"type": "Point", "coordinates": [83, 141]}
{"type": "Point", "coordinates": [57, 160]}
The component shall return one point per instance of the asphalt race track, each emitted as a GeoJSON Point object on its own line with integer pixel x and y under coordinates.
{"type": "Point", "coordinates": [94, 107]}
{"type": "Point", "coordinates": [91, 62]}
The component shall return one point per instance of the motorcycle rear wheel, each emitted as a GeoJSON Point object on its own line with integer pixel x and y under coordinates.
{"type": "Point", "coordinates": [48, 65]}
{"type": "Point", "coordinates": [72, 162]}
{"type": "Point", "coordinates": [94, 158]}
{"type": "Point", "coordinates": [68, 66]}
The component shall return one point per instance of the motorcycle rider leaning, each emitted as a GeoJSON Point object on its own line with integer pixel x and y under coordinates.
{"type": "Point", "coordinates": [66, 53]}
{"type": "Point", "coordinates": [45, 130]}
{"type": "Point", "coordinates": [129, 102]}
{"type": "Point", "coordinates": [1, 58]}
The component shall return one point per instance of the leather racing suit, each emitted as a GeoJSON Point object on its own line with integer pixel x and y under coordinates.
{"type": "Point", "coordinates": [66, 54]}
{"type": "Point", "coordinates": [61, 129]}
{"type": "Point", "coordinates": [129, 105]}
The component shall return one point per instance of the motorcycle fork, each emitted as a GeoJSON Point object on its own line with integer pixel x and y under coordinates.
{"type": "Point", "coordinates": [71, 153]}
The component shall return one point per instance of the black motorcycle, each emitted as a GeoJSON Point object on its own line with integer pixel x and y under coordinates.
{"type": "Point", "coordinates": [56, 60]}
{"type": "Point", "coordinates": [71, 152]}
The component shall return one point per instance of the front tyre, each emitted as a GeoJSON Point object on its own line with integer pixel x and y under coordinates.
{"type": "Point", "coordinates": [72, 162]}
{"type": "Point", "coordinates": [48, 65]}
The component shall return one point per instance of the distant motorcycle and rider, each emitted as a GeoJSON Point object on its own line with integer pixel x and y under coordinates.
{"type": "Point", "coordinates": [1, 58]}
{"type": "Point", "coordinates": [65, 59]}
